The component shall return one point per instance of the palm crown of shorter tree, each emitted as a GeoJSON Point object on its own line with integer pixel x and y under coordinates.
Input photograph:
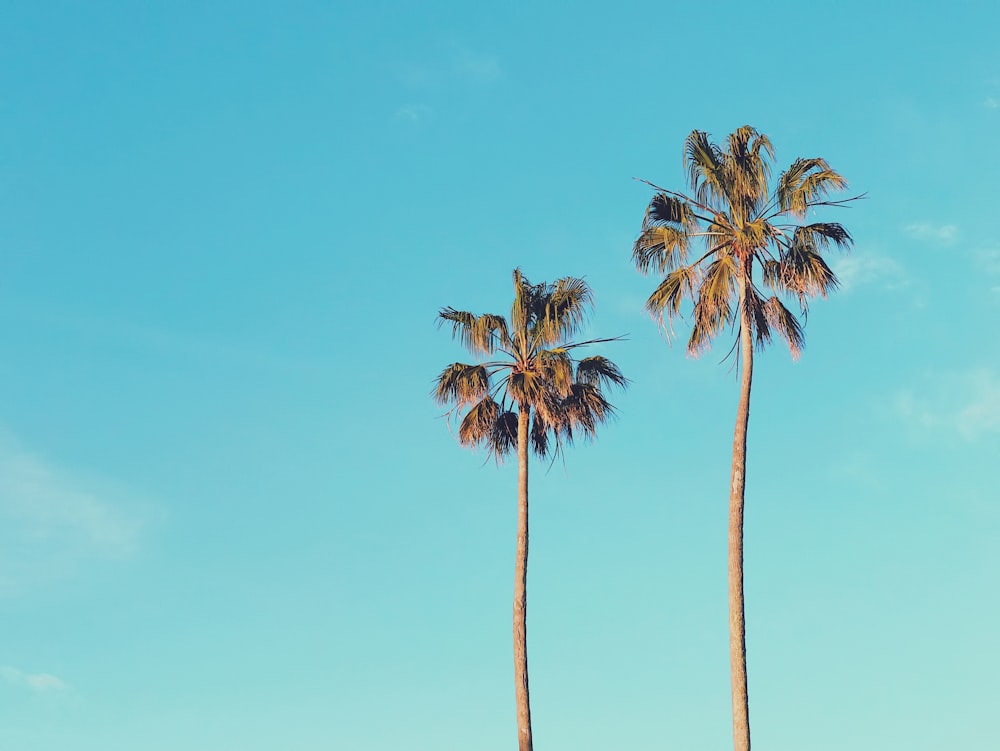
{"type": "Point", "coordinates": [537, 373]}
{"type": "Point", "coordinates": [744, 224]}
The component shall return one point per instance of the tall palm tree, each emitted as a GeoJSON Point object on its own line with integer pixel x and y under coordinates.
{"type": "Point", "coordinates": [754, 237]}
{"type": "Point", "coordinates": [535, 395]}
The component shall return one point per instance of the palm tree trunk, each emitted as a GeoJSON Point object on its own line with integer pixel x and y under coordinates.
{"type": "Point", "coordinates": [737, 625]}
{"type": "Point", "coordinates": [520, 588]}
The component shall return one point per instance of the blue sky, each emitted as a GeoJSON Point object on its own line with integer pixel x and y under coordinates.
{"type": "Point", "coordinates": [230, 515]}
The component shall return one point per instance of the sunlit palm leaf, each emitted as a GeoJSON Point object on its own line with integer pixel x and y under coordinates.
{"type": "Point", "coordinates": [479, 334]}
{"type": "Point", "coordinates": [661, 248]}
{"type": "Point", "coordinates": [562, 310]}
{"type": "Point", "coordinates": [462, 384]}
{"type": "Point", "coordinates": [479, 424]}
{"type": "Point", "coordinates": [667, 297]}
{"type": "Point", "coordinates": [706, 172]}
{"type": "Point", "coordinates": [785, 324]}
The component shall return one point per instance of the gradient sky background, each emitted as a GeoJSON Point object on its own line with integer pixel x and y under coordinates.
{"type": "Point", "coordinates": [230, 517]}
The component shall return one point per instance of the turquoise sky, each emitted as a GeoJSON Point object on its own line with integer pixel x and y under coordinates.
{"type": "Point", "coordinates": [230, 516]}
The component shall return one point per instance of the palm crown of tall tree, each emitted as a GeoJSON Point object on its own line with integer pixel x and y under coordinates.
{"type": "Point", "coordinates": [745, 224]}
{"type": "Point", "coordinates": [537, 372]}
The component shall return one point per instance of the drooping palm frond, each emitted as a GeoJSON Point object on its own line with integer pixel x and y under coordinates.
{"type": "Point", "coordinates": [540, 436]}
{"type": "Point", "coordinates": [479, 423]}
{"type": "Point", "coordinates": [713, 308]}
{"type": "Point", "coordinates": [556, 367]}
{"type": "Point", "coordinates": [805, 182]}
{"type": "Point", "coordinates": [503, 439]}
{"type": "Point", "coordinates": [584, 410]}
{"type": "Point", "coordinates": [483, 334]}
{"type": "Point", "coordinates": [660, 247]}
{"type": "Point", "coordinates": [599, 371]}
{"type": "Point", "coordinates": [667, 297]}
{"type": "Point", "coordinates": [784, 322]}
{"type": "Point", "coordinates": [462, 384]}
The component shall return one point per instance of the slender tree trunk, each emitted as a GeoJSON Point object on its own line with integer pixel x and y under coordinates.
{"type": "Point", "coordinates": [737, 625]}
{"type": "Point", "coordinates": [520, 588]}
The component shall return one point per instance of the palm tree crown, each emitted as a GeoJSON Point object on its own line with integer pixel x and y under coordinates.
{"type": "Point", "coordinates": [745, 224]}
{"type": "Point", "coordinates": [537, 371]}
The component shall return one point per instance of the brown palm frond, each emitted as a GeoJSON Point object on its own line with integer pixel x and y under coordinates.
{"type": "Point", "coordinates": [746, 170]}
{"type": "Point", "coordinates": [562, 309]}
{"type": "Point", "coordinates": [584, 410]}
{"type": "Point", "coordinates": [704, 162]}
{"type": "Point", "coordinates": [502, 440]}
{"type": "Point", "coordinates": [667, 297]}
{"type": "Point", "coordinates": [479, 334]}
{"type": "Point", "coordinates": [479, 423]}
{"type": "Point", "coordinates": [820, 235]}
{"type": "Point", "coordinates": [540, 431]}
{"type": "Point", "coordinates": [599, 371]}
{"type": "Point", "coordinates": [713, 308]}
{"type": "Point", "coordinates": [805, 182]}
{"type": "Point", "coordinates": [462, 384]}
{"type": "Point", "coordinates": [784, 322]}
{"type": "Point", "coordinates": [661, 247]}
{"type": "Point", "coordinates": [556, 366]}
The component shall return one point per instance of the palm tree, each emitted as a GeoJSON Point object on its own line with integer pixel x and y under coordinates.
{"type": "Point", "coordinates": [753, 237]}
{"type": "Point", "coordinates": [536, 395]}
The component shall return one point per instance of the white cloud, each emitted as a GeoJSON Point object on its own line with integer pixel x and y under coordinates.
{"type": "Point", "coordinates": [937, 234]}
{"type": "Point", "coordinates": [38, 682]}
{"type": "Point", "coordinates": [967, 403]}
{"type": "Point", "coordinates": [991, 103]}
{"type": "Point", "coordinates": [51, 520]}
{"type": "Point", "coordinates": [867, 268]}
{"type": "Point", "coordinates": [989, 260]}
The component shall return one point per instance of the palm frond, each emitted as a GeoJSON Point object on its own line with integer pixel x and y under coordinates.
{"type": "Point", "coordinates": [479, 334]}
{"type": "Point", "coordinates": [805, 182]}
{"type": "Point", "coordinates": [561, 310]}
{"type": "Point", "coordinates": [502, 440]}
{"type": "Point", "coordinates": [660, 247]}
{"type": "Point", "coordinates": [479, 423]}
{"type": "Point", "coordinates": [703, 161]}
{"type": "Point", "coordinates": [462, 384]}
{"type": "Point", "coordinates": [784, 322]}
{"type": "Point", "coordinates": [713, 308]}
{"type": "Point", "coordinates": [668, 295]}
{"type": "Point", "coordinates": [583, 411]}
{"type": "Point", "coordinates": [747, 171]}
{"type": "Point", "coordinates": [540, 431]}
{"type": "Point", "coordinates": [556, 367]}
{"type": "Point", "coordinates": [599, 371]}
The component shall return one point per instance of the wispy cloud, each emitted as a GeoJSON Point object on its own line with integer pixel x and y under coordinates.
{"type": "Point", "coordinates": [51, 519]}
{"type": "Point", "coordinates": [37, 682]}
{"type": "Point", "coordinates": [966, 403]}
{"type": "Point", "coordinates": [936, 234]}
{"type": "Point", "coordinates": [991, 103]}
{"type": "Point", "coordinates": [867, 268]}
{"type": "Point", "coordinates": [988, 259]}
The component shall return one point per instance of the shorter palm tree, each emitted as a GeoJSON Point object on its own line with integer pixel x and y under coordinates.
{"type": "Point", "coordinates": [536, 395]}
